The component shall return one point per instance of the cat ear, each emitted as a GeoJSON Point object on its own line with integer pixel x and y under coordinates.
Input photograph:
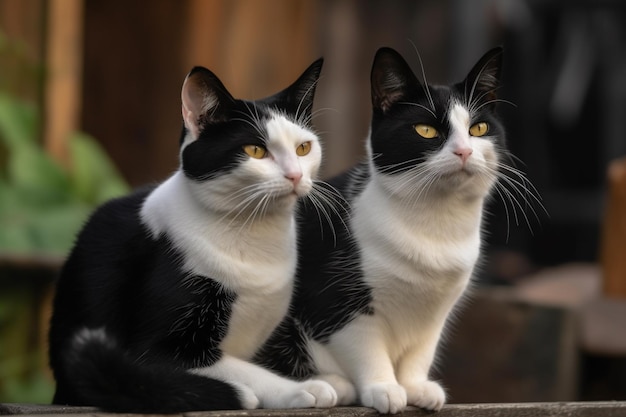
{"type": "Point", "coordinates": [484, 79]}
{"type": "Point", "coordinates": [297, 99]}
{"type": "Point", "coordinates": [205, 100]}
{"type": "Point", "coordinates": [391, 79]}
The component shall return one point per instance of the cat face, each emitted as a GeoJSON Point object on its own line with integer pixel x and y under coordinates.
{"type": "Point", "coordinates": [245, 157]}
{"type": "Point", "coordinates": [435, 139]}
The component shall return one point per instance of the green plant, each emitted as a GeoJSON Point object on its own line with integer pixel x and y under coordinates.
{"type": "Point", "coordinates": [23, 375]}
{"type": "Point", "coordinates": [42, 206]}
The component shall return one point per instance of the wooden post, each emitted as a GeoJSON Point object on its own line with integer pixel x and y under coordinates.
{"type": "Point", "coordinates": [203, 33]}
{"type": "Point", "coordinates": [62, 91]}
{"type": "Point", "coordinates": [20, 20]}
{"type": "Point", "coordinates": [613, 254]}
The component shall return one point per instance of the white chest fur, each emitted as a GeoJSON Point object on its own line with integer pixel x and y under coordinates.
{"type": "Point", "coordinates": [418, 259]}
{"type": "Point", "coordinates": [256, 262]}
{"type": "Point", "coordinates": [260, 256]}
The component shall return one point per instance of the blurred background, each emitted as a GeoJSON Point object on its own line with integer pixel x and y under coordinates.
{"type": "Point", "coordinates": [90, 108]}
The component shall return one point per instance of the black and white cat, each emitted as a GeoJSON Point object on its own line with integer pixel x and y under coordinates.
{"type": "Point", "coordinates": [170, 291]}
{"type": "Point", "coordinates": [376, 285]}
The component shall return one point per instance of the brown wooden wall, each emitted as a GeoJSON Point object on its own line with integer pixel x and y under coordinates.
{"type": "Point", "coordinates": [23, 20]}
{"type": "Point", "coordinates": [135, 55]}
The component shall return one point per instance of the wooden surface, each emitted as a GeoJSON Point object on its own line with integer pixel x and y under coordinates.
{"type": "Point", "coordinates": [574, 409]}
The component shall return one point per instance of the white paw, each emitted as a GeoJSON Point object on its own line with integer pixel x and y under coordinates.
{"type": "Point", "coordinates": [317, 394]}
{"type": "Point", "coordinates": [346, 393]}
{"type": "Point", "coordinates": [386, 398]}
{"type": "Point", "coordinates": [426, 394]}
{"type": "Point", "coordinates": [248, 398]}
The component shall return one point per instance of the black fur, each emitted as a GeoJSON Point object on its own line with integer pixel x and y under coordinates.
{"type": "Point", "coordinates": [232, 123]}
{"type": "Point", "coordinates": [120, 278]}
{"type": "Point", "coordinates": [395, 113]}
{"type": "Point", "coordinates": [330, 289]}
{"type": "Point", "coordinates": [128, 322]}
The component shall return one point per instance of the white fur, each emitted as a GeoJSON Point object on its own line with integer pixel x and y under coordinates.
{"type": "Point", "coordinates": [419, 247]}
{"type": "Point", "coordinates": [273, 391]}
{"type": "Point", "coordinates": [246, 240]}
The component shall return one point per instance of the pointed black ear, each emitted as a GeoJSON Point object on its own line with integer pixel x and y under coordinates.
{"type": "Point", "coordinates": [205, 100]}
{"type": "Point", "coordinates": [483, 80]}
{"type": "Point", "coordinates": [391, 79]}
{"type": "Point", "coordinates": [297, 99]}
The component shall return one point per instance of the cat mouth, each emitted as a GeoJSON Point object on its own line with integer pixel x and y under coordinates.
{"type": "Point", "coordinates": [460, 172]}
{"type": "Point", "coordinates": [467, 172]}
{"type": "Point", "coordinates": [288, 195]}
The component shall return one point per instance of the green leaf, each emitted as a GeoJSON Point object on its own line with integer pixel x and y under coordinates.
{"type": "Point", "coordinates": [39, 179]}
{"type": "Point", "coordinates": [94, 176]}
{"type": "Point", "coordinates": [18, 122]}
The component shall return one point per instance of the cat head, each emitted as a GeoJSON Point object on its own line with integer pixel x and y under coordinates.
{"type": "Point", "coordinates": [248, 156]}
{"type": "Point", "coordinates": [435, 139]}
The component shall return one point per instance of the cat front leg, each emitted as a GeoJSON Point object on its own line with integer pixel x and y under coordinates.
{"type": "Point", "coordinates": [272, 390]}
{"type": "Point", "coordinates": [413, 371]}
{"type": "Point", "coordinates": [346, 392]}
{"type": "Point", "coordinates": [361, 350]}
{"type": "Point", "coordinates": [327, 369]}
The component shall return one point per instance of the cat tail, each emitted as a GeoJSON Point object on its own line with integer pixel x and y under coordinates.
{"type": "Point", "coordinates": [102, 375]}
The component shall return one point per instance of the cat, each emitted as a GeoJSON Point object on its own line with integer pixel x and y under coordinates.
{"type": "Point", "coordinates": [377, 282]}
{"type": "Point", "coordinates": [168, 292]}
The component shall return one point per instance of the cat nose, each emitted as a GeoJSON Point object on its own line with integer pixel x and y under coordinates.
{"type": "Point", "coordinates": [463, 153]}
{"type": "Point", "coordinates": [294, 177]}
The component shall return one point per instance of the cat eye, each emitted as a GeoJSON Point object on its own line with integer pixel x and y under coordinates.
{"type": "Point", "coordinates": [255, 151]}
{"type": "Point", "coordinates": [303, 149]}
{"type": "Point", "coordinates": [479, 129]}
{"type": "Point", "coordinates": [426, 131]}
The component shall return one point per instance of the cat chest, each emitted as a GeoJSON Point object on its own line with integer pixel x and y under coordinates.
{"type": "Point", "coordinates": [409, 316]}
{"type": "Point", "coordinates": [254, 316]}
{"type": "Point", "coordinates": [413, 245]}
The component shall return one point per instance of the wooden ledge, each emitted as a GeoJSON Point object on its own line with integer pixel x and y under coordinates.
{"type": "Point", "coordinates": [556, 409]}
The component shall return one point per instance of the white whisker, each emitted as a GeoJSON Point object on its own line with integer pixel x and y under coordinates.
{"type": "Point", "coordinates": [425, 83]}
{"type": "Point", "coordinates": [329, 205]}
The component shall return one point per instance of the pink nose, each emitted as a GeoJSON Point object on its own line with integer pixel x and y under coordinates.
{"type": "Point", "coordinates": [294, 177]}
{"type": "Point", "coordinates": [463, 153]}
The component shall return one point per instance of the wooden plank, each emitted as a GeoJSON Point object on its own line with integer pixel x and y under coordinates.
{"type": "Point", "coordinates": [561, 409]}
{"type": "Point", "coordinates": [64, 61]}
{"type": "Point", "coordinates": [202, 37]}
{"type": "Point", "coordinates": [256, 48]}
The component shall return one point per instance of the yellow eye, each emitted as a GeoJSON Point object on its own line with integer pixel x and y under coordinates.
{"type": "Point", "coordinates": [255, 151]}
{"type": "Point", "coordinates": [426, 131]}
{"type": "Point", "coordinates": [479, 129]}
{"type": "Point", "coordinates": [303, 149]}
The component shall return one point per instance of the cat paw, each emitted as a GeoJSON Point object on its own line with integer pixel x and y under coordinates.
{"type": "Point", "coordinates": [314, 394]}
{"type": "Point", "coordinates": [386, 398]}
{"type": "Point", "coordinates": [247, 397]}
{"type": "Point", "coordinates": [426, 394]}
{"type": "Point", "coordinates": [346, 393]}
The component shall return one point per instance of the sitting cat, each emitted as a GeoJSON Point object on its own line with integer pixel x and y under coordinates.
{"type": "Point", "coordinates": [170, 291]}
{"type": "Point", "coordinates": [376, 284]}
